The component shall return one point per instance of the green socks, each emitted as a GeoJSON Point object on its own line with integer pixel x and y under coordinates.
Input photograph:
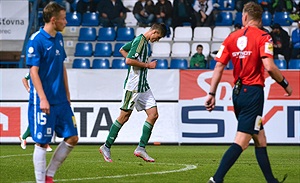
{"type": "Point", "coordinates": [115, 128]}
{"type": "Point", "coordinates": [113, 133]}
{"type": "Point", "coordinates": [26, 134]}
{"type": "Point", "coordinates": [147, 130]}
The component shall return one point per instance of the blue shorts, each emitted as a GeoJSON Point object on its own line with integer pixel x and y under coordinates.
{"type": "Point", "coordinates": [61, 120]}
{"type": "Point", "coordinates": [248, 108]}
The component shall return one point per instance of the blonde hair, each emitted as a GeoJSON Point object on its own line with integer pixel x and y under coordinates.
{"type": "Point", "coordinates": [52, 9]}
{"type": "Point", "coordinates": [254, 10]}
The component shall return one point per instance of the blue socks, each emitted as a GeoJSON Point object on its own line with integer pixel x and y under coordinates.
{"type": "Point", "coordinates": [233, 153]}
{"type": "Point", "coordinates": [264, 163]}
{"type": "Point", "coordinates": [229, 158]}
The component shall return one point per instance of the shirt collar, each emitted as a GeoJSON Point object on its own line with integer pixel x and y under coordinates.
{"type": "Point", "coordinates": [45, 33]}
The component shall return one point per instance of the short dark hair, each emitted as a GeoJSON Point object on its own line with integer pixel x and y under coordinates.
{"type": "Point", "coordinates": [199, 45]}
{"type": "Point", "coordinates": [162, 28]}
{"type": "Point", "coordinates": [52, 9]}
{"type": "Point", "coordinates": [254, 10]}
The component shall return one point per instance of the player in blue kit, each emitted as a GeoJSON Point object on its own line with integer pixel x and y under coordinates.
{"type": "Point", "coordinates": [49, 103]}
{"type": "Point", "coordinates": [27, 132]}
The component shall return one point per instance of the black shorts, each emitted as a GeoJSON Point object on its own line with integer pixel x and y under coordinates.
{"type": "Point", "coordinates": [248, 108]}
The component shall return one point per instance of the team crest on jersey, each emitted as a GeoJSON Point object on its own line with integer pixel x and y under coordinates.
{"type": "Point", "coordinates": [242, 43]}
{"type": "Point", "coordinates": [30, 52]}
{"type": "Point", "coordinates": [57, 52]}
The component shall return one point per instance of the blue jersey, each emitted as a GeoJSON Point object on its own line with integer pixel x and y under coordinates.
{"type": "Point", "coordinates": [48, 54]}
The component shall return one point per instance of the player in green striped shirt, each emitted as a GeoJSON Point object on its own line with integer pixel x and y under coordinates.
{"type": "Point", "coordinates": [136, 92]}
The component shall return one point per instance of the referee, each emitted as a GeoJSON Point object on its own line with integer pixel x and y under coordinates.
{"type": "Point", "coordinates": [251, 52]}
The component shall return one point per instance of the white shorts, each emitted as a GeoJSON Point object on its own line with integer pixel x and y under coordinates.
{"type": "Point", "coordinates": [141, 101]}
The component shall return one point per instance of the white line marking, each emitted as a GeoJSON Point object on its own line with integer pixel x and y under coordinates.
{"type": "Point", "coordinates": [8, 156]}
{"type": "Point", "coordinates": [185, 168]}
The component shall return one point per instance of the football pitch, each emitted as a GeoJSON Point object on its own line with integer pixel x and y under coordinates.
{"type": "Point", "coordinates": [185, 164]}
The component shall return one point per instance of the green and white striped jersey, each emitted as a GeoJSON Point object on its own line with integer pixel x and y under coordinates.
{"type": "Point", "coordinates": [136, 79]}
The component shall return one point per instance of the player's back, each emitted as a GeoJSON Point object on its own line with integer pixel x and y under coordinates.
{"type": "Point", "coordinates": [246, 42]}
{"type": "Point", "coordinates": [246, 48]}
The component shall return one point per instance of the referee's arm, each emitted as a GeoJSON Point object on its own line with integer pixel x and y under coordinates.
{"type": "Point", "coordinates": [275, 73]}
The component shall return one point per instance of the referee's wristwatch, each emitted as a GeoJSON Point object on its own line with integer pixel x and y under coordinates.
{"type": "Point", "coordinates": [212, 94]}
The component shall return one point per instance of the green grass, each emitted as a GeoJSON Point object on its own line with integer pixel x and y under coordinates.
{"type": "Point", "coordinates": [185, 164]}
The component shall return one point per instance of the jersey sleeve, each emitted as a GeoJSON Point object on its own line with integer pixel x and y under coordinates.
{"type": "Point", "coordinates": [134, 52]}
{"type": "Point", "coordinates": [126, 46]}
{"type": "Point", "coordinates": [266, 46]}
{"type": "Point", "coordinates": [223, 54]}
{"type": "Point", "coordinates": [33, 53]}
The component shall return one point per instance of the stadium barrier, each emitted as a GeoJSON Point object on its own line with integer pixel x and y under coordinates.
{"type": "Point", "coordinates": [180, 95]}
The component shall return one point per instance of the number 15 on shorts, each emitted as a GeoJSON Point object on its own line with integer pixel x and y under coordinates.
{"type": "Point", "coordinates": [41, 118]}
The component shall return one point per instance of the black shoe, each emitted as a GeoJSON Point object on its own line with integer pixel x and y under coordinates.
{"type": "Point", "coordinates": [285, 176]}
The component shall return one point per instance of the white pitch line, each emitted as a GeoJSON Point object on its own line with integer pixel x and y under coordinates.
{"type": "Point", "coordinates": [8, 156]}
{"type": "Point", "coordinates": [186, 168]}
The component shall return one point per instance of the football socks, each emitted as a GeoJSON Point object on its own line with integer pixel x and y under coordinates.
{"type": "Point", "coordinates": [147, 130]}
{"type": "Point", "coordinates": [229, 158]}
{"type": "Point", "coordinates": [39, 162]}
{"type": "Point", "coordinates": [60, 154]}
{"type": "Point", "coordinates": [113, 133]}
{"type": "Point", "coordinates": [264, 163]}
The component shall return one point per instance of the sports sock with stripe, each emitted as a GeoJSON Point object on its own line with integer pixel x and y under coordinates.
{"type": "Point", "coordinates": [147, 130]}
{"type": "Point", "coordinates": [113, 133]}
